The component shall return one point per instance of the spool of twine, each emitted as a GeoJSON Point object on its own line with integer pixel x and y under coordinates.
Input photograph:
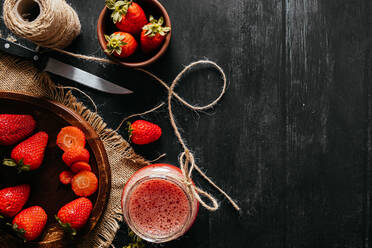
{"type": "Point", "coordinates": [47, 23]}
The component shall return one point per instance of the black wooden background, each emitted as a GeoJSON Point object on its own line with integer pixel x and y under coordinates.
{"type": "Point", "coordinates": [291, 138]}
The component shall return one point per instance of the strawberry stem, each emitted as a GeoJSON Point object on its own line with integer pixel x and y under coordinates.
{"type": "Point", "coordinates": [19, 231]}
{"type": "Point", "coordinates": [114, 43]}
{"type": "Point", "coordinates": [5, 220]}
{"type": "Point", "coordinates": [9, 162]}
{"type": "Point", "coordinates": [130, 129]}
{"type": "Point", "coordinates": [119, 9]}
{"type": "Point", "coordinates": [20, 166]}
{"type": "Point", "coordinates": [66, 226]}
{"type": "Point", "coordinates": [155, 27]}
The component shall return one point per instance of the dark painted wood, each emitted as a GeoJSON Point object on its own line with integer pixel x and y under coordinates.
{"type": "Point", "coordinates": [290, 140]}
{"type": "Point", "coordinates": [325, 123]}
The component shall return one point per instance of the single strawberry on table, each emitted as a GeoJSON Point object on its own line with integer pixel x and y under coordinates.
{"type": "Point", "coordinates": [70, 137]}
{"type": "Point", "coordinates": [142, 132]}
{"type": "Point", "coordinates": [127, 15]}
{"type": "Point", "coordinates": [153, 35]}
{"type": "Point", "coordinates": [13, 199]}
{"type": "Point", "coordinates": [85, 183]}
{"type": "Point", "coordinates": [120, 44]}
{"type": "Point", "coordinates": [14, 128]}
{"type": "Point", "coordinates": [74, 215]}
{"type": "Point", "coordinates": [30, 222]}
{"type": "Point", "coordinates": [29, 154]}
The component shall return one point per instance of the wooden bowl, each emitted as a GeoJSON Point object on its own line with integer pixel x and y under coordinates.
{"type": "Point", "coordinates": [46, 190]}
{"type": "Point", "coordinates": [106, 26]}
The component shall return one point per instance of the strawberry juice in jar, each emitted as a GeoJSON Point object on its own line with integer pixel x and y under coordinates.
{"type": "Point", "coordinates": [157, 205]}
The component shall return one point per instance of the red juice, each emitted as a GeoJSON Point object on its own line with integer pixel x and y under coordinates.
{"type": "Point", "coordinates": [159, 207]}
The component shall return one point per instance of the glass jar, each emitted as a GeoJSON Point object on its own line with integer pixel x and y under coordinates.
{"type": "Point", "coordinates": [157, 205]}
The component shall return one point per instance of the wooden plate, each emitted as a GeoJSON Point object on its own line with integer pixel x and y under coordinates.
{"type": "Point", "coordinates": [46, 190]}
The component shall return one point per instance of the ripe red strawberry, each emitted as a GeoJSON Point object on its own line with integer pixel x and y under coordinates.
{"type": "Point", "coordinates": [30, 222]}
{"type": "Point", "coordinates": [69, 137]}
{"type": "Point", "coordinates": [143, 132]}
{"type": "Point", "coordinates": [13, 199]}
{"type": "Point", "coordinates": [120, 44]}
{"type": "Point", "coordinates": [74, 215]}
{"type": "Point", "coordinates": [127, 15]}
{"type": "Point", "coordinates": [14, 128]}
{"type": "Point", "coordinates": [153, 35]}
{"type": "Point", "coordinates": [75, 155]}
{"type": "Point", "coordinates": [29, 154]}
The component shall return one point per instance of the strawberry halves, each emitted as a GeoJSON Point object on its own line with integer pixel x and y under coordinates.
{"type": "Point", "coordinates": [29, 154]}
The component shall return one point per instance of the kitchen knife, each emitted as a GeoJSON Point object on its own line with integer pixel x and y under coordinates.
{"type": "Point", "coordinates": [43, 62]}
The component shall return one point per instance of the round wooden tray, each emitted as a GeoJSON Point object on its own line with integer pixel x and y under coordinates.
{"type": "Point", "coordinates": [46, 190]}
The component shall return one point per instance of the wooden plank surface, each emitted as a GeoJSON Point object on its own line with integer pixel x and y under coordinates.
{"type": "Point", "coordinates": [325, 123]}
{"type": "Point", "coordinates": [290, 140]}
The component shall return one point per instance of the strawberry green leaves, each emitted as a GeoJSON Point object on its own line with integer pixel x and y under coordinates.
{"type": "Point", "coordinates": [155, 27]}
{"type": "Point", "coordinates": [137, 242]}
{"type": "Point", "coordinates": [20, 166]}
{"type": "Point", "coordinates": [66, 226]}
{"type": "Point", "coordinates": [119, 9]}
{"type": "Point", "coordinates": [114, 43]}
{"type": "Point", "coordinates": [20, 232]}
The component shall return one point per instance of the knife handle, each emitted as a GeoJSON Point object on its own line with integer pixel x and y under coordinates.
{"type": "Point", "coordinates": [23, 52]}
{"type": "Point", "coordinates": [18, 50]}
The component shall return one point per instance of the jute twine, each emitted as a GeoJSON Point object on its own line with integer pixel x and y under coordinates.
{"type": "Point", "coordinates": [186, 158]}
{"type": "Point", "coordinates": [55, 26]}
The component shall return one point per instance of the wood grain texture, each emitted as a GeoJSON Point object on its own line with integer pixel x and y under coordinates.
{"type": "Point", "coordinates": [325, 123]}
{"type": "Point", "coordinates": [291, 139]}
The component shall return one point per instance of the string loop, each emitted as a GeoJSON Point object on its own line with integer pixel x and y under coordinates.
{"type": "Point", "coordinates": [186, 158]}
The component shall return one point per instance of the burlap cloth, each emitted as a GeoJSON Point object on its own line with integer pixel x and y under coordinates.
{"type": "Point", "coordinates": [21, 77]}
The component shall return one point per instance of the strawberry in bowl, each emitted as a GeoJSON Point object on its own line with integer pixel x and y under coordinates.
{"type": "Point", "coordinates": [14, 128]}
{"type": "Point", "coordinates": [153, 35]}
{"type": "Point", "coordinates": [74, 215]}
{"type": "Point", "coordinates": [132, 22]}
{"type": "Point", "coordinates": [30, 222]}
{"type": "Point", "coordinates": [120, 44]}
{"type": "Point", "coordinates": [127, 15]}
{"type": "Point", "coordinates": [12, 199]}
{"type": "Point", "coordinates": [29, 154]}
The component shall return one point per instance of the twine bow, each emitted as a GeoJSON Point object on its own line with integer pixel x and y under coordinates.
{"type": "Point", "coordinates": [186, 158]}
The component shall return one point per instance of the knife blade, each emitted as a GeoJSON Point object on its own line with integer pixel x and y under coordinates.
{"type": "Point", "coordinates": [62, 69]}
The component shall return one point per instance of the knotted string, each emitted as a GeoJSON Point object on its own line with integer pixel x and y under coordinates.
{"type": "Point", "coordinates": [186, 158]}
